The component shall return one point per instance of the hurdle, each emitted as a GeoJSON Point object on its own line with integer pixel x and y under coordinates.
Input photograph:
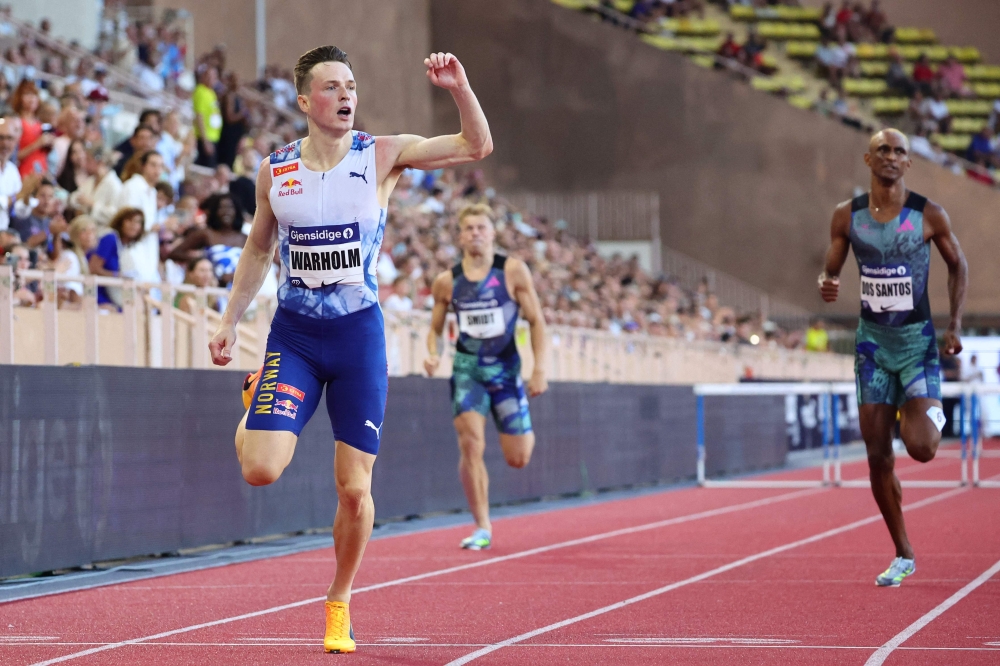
{"type": "Point", "coordinates": [970, 404]}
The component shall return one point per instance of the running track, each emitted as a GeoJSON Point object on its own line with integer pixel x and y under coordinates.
{"type": "Point", "coordinates": [692, 576]}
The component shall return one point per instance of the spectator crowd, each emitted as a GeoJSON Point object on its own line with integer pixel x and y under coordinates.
{"type": "Point", "coordinates": [172, 201]}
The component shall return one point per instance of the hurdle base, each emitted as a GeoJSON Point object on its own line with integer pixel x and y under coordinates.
{"type": "Point", "coordinates": [763, 484]}
{"type": "Point", "coordinates": [864, 483]}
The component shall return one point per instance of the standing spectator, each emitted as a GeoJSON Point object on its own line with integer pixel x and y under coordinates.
{"type": "Point", "coordinates": [175, 149]}
{"type": "Point", "coordinates": [10, 177]}
{"type": "Point", "coordinates": [221, 240]}
{"type": "Point", "coordinates": [235, 120]}
{"type": "Point", "coordinates": [399, 300]}
{"type": "Point", "coordinates": [144, 139]}
{"type": "Point", "coordinates": [973, 373]}
{"type": "Point", "coordinates": [35, 144]}
{"type": "Point", "coordinates": [208, 119]}
{"type": "Point", "coordinates": [74, 173]}
{"type": "Point", "coordinates": [139, 185]}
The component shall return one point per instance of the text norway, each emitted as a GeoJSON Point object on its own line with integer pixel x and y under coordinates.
{"type": "Point", "coordinates": [884, 290]}
{"type": "Point", "coordinates": [325, 261]}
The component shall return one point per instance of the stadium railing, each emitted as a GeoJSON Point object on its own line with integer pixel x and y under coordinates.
{"type": "Point", "coordinates": [145, 333]}
{"type": "Point", "coordinates": [970, 422]}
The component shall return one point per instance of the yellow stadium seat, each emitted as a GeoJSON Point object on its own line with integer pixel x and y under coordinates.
{"type": "Point", "coordinates": [874, 68]}
{"type": "Point", "coordinates": [915, 36]}
{"type": "Point", "coordinates": [706, 61]}
{"type": "Point", "coordinates": [969, 107]}
{"type": "Point", "coordinates": [956, 142]}
{"type": "Point", "coordinates": [684, 44]}
{"type": "Point", "coordinates": [577, 4]}
{"type": "Point", "coordinates": [890, 106]}
{"type": "Point", "coordinates": [687, 26]}
{"type": "Point", "coordinates": [865, 87]}
{"type": "Point", "coordinates": [624, 6]}
{"type": "Point", "coordinates": [873, 51]}
{"type": "Point", "coordinates": [968, 125]}
{"type": "Point", "coordinates": [785, 31]}
{"type": "Point", "coordinates": [804, 102]}
{"type": "Point", "coordinates": [966, 54]}
{"type": "Point", "coordinates": [987, 90]}
{"type": "Point", "coordinates": [742, 13]}
{"type": "Point", "coordinates": [768, 60]}
{"type": "Point", "coordinates": [778, 83]}
{"type": "Point", "coordinates": [983, 72]}
{"type": "Point", "coordinates": [801, 49]}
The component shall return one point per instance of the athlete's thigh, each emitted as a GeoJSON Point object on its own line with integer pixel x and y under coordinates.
{"type": "Point", "coordinates": [921, 421]}
{"type": "Point", "coordinates": [352, 468]}
{"type": "Point", "coordinates": [517, 448]}
{"type": "Point", "coordinates": [876, 383]}
{"type": "Point", "coordinates": [468, 394]}
{"type": "Point", "coordinates": [271, 449]}
{"type": "Point", "coordinates": [920, 366]}
{"type": "Point", "coordinates": [471, 430]}
{"type": "Point", "coordinates": [509, 401]}
{"type": "Point", "coordinates": [359, 380]}
{"type": "Point", "coordinates": [287, 393]}
{"type": "Point", "coordinates": [877, 422]}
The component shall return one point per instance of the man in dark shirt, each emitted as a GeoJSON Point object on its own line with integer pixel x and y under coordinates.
{"type": "Point", "coordinates": [151, 120]}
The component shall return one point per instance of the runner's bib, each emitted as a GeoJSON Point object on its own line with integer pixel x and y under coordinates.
{"type": "Point", "coordinates": [320, 256]}
{"type": "Point", "coordinates": [482, 324]}
{"type": "Point", "coordinates": [886, 288]}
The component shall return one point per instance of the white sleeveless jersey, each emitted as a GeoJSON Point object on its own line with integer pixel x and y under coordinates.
{"type": "Point", "coordinates": [330, 228]}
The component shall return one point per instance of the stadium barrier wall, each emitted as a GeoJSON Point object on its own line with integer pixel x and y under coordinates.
{"type": "Point", "coordinates": [146, 334]}
{"type": "Point", "coordinates": [100, 463]}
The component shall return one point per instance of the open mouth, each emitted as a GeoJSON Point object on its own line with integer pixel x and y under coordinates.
{"type": "Point", "coordinates": [344, 112]}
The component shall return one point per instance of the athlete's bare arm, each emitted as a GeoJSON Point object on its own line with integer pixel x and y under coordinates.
{"type": "Point", "coordinates": [255, 262]}
{"type": "Point", "coordinates": [441, 290]}
{"type": "Point", "coordinates": [472, 143]}
{"type": "Point", "coordinates": [938, 225]}
{"type": "Point", "coordinates": [522, 289]}
{"type": "Point", "coordinates": [836, 255]}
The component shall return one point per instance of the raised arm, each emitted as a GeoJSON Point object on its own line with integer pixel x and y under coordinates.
{"type": "Point", "coordinates": [255, 262]}
{"type": "Point", "coordinates": [958, 271]}
{"type": "Point", "coordinates": [836, 254]}
{"type": "Point", "coordinates": [441, 290]}
{"type": "Point", "coordinates": [472, 143]}
{"type": "Point", "coordinates": [523, 291]}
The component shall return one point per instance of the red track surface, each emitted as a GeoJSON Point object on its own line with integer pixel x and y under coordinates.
{"type": "Point", "coordinates": [776, 602]}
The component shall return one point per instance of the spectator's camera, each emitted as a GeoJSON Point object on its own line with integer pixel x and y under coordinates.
{"type": "Point", "coordinates": [47, 128]}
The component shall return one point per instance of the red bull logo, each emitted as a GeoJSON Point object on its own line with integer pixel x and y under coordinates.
{"type": "Point", "coordinates": [287, 404]}
{"type": "Point", "coordinates": [290, 187]}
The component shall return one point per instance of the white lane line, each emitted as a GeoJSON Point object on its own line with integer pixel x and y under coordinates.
{"type": "Point", "coordinates": [694, 579]}
{"type": "Point", "coordinates": [441, 572]}
{"type": "Point", "coordinates": [883, 652]}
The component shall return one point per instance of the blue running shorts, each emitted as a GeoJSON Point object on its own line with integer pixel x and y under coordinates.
{"type": "Point", "coordinates": [491, 388]}
{"type": "Point", "coordinates": [346, 354]}
{"type": "Point", "coordinates": [896, 364]}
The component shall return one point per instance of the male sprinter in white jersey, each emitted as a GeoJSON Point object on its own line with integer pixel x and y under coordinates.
{"type": "Point", "coordinates": [896, 359]}
{"type": "Point", "coordinates": [323, 201]}
{"type": "Point", "coordinates": [486, 290]}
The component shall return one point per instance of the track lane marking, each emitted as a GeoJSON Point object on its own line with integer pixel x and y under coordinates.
{"type": "Point", "coordinates": [441, 572]}
{"type": "Point", "coordinates": [883, 652]}
{"type": "Point", "coordinates": [695, 579]}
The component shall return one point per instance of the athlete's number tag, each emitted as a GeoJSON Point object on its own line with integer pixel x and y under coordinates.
{"type": "Point", "coordinates": [886, 288]}
{"type": "Point", "coordinates": [320, 256]}
{"type": "Point", "coordinates": [481, 324]}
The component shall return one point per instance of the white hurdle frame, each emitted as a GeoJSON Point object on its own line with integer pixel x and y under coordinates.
{"type": "Point", "coordinates": [969, 395]}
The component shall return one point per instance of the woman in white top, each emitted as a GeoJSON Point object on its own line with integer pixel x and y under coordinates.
{"type": "Point", "coordinates": [140, 176]}
{"type": "Point", "coordinates": [73, 261]}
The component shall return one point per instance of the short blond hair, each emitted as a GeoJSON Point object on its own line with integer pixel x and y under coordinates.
{"type": "Point", "coordinates": [475, 209]}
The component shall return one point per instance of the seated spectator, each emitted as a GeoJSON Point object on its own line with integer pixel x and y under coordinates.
{"type": "Point", "coordinates": [36, 137]}
{"type": "Point", "coordinates": [953, 81]}
{"type": "Point", "coordinates": [72, 261]}
{"type": "Point", "coordinates": [753, 49]}
{"type": "Point", "coordinates": [176, 149]}
{"type": "Point", "coordinates": [40, 209]}
{"type": "Point", "coordinates": [923, 75]}
{"type": "Point", "coordinates": [26, 293]}
{"type": "Point", "coordinates": [74, 173]}
{"type": "Point", "coordinates": [935, 111]}
{"type": "Point", "coordinates": [144, 138]}
{"type": "Point", "coordinates": [199, 274]}
{"type": "Point", "coordinates": [70, 127]}
{"type": "Point", "coordinates": [119, 253]}
{"type": "Point", "coordinates": [139, 178]}
{"type": "Point", "coordinates": [982, 150]}
{"type": "Point", "coordinates": [828, 21]}
{"type": "Point", "coordinates": [730, 49]}
{"type": "Point", "coordinates": [832, 59]}
{"type": "Point", "coordinates": [399, 300]}
{"type": "Point", "coordinates": [817, 339]}
{"type": "Point", "coordinates": [102, 203]}
{"type": "Point", "coordinates": [221, 240]}
{"type": "Point", "coordinates": [878, 23]}
{"type": "Point", "coordinates": [896, 78]}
